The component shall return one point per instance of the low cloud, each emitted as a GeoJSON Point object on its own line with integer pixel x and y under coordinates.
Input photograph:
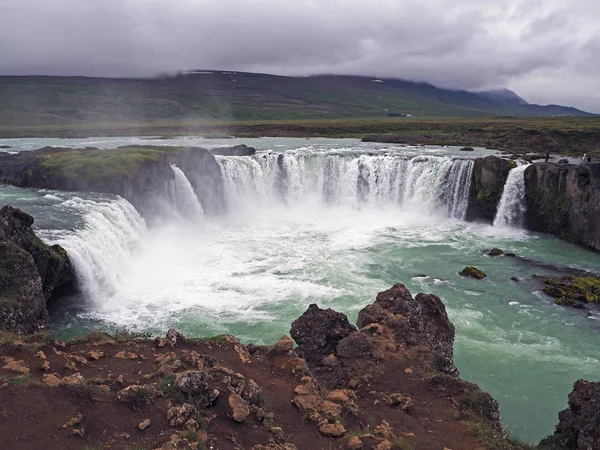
{"type": "Point", "coordinates": [547, 50]}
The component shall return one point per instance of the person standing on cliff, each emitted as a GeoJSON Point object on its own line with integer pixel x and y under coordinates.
{"type": "Point", "coordinates": [585, 157]}
{"type": "Point", "coordinates": [588, 159]}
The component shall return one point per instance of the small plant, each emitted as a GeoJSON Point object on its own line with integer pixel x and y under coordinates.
{"type": "Point", "coordinates": [140, 397]}
{"type": "Point", "coordinates": [26, 380]}
{"type": "Point", "coordinates": [402, 444]}
{"type": "Point", "coordinates": [214, 339]}
{"type": "Point", "coordinates": [93, 336]}
{"type": "Point", "coordinates": [129, 336]}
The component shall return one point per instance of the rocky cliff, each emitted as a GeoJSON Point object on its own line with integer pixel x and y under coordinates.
{"type": "Point", "coordinates": [578, 424]}
{"type": "Point", "coordinates": [384, 385]}
{"type": "Point", "coordinates": [140, 174]}
{"type": "Point", "coordinates": [564, 200]}
{"type": "Point", "coordinates": [30, 272]}
{"type": "Point", "coordinates": [487, 183]}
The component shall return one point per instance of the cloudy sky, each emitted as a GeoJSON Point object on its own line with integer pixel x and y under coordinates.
{"type": "Point", "coordinates": [548, 51]}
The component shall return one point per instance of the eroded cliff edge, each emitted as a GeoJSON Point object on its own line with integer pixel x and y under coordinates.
{"type": "Point", "coordinates": [30, 273]}
{"type": "Point", "coordinates": [388, 383]}
{"type": "Point", "coordinates": [140, 174]}
{"type": "Point", "coordinates": [564, 200]}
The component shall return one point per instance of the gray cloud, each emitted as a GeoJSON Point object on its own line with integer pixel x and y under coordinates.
{"type": "Point", "coordinates": [547, 50]}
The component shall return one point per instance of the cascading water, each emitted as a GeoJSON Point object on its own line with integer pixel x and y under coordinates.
{"type": "Point", "coordinates": [426, 184]}
{"type": "Point", "coordinates": [512, 208]}
{"type": "Point", "coordinates": [101, 249]}
{"type": "Point", "coordinates": [185, 198]}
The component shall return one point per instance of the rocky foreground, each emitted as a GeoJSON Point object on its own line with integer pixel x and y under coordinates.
{"type": "Point", "coordinates": [388, 384]}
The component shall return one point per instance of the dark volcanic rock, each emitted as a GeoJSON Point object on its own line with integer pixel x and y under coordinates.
{"type": "Point", "coordinates": [487, 183]}
{"type": "Point", "coordinates": [422, 319]}
{"type": "Point", "coordinates": [30, 272]}
{"type": "Point", "coordinates": [564, 201]}
{"type": "Point", "coordinates": [578, 425]}
{"type": "Point", "coordinates": [496, 252]}
{"type": "Point", "coordinates": [467, 149]}
{"type": "Point", "coordinates": [237, 150]}
{"type": "Point", "coordinates": [472, 272]}
{"type": "Point", "coordinates": [318, 332]}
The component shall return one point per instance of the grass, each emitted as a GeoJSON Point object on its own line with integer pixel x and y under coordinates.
{"type": "Point", "coordinates": [30, 341]}
{"type": "Point", "coordinates": [131, 336]}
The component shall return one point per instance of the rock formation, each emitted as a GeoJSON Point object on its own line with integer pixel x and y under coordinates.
{"type": "Point", "coordinates": [236, 150]}
{"type": "Point", "coordinates": [578, 424]}
{"type": "Point", "coordinates": [30, 272]}
{"type": "Point", "coordinates": [487, 183]}
{"type": "Point", "coordinates": [139, 173]}
{"type": "Point", "coordinates": [564, 200]}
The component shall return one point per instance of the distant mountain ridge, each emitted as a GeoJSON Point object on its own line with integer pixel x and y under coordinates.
{"type": "Point", "coordinates": [229, 95]}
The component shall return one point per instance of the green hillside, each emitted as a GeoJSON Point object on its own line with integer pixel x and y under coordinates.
{"type": "Point", "coordinates": [233, 96]}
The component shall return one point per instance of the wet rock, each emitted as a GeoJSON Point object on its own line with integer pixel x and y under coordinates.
{"type": "Point", "coordinates": [237, 150]}
{"type": "Point", "coordinates": [509, 254]}
{"type": "Point", "coordinates": [487, 183]}
{"type": "Point", "coordinates": [578, 424]}
{"type": "Point", "coordinates": [564, 201]}
{"type": "Point", "coordinates": [472, 272]}
{"type": "Point", "coordinates": [30, 272]}
{"type": "Point", "coordinates": [514, 279]}
{"type": "Point", "coordinates": [574, 291]}
{"type": "Point", "coordinates": [467, 149]}
{"type": "Point", "coordinates": [239, 408]}
{"type": "Point", "coordinates": [318, 331]}
{"type": "Point", "coordinates": [496, 252]}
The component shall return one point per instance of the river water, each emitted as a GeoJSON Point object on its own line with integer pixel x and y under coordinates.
{"type": "Point", "coordinates": [331, 222]}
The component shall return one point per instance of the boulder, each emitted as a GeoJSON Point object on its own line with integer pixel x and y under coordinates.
{"type": "Point", "coordinates": [30, 273]}
{"type": "Point", "coordinates": [318, 332]}
{"type": "Point", "coordinates": [496, 252]}
{"type": "Point", "coordinates": [418, 320]}
{"type": "Point", "coordinates": [472, 272]}
{"type": "Point", "coordinates": [467, 149]}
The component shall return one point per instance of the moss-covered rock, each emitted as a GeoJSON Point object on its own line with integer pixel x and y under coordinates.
{"type": "Point", "coordinates": [472, 272]}
{"type": "Point", "coordinates": [496, 252]}
{"type": "Point", "coordinates": [574, 291]}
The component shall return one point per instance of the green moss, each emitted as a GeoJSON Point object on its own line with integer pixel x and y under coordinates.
{"type": "Point", "coordinates": [573, 291]}
{"type": "Point", "coordinates": [472, 272]}
{"type": "Point", "coordinates": [492, 192]}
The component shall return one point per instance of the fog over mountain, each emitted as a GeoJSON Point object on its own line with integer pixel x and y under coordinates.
{"type": "Point", "coordinates": [547, 51]}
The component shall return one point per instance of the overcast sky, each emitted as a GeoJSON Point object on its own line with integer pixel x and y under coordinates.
{"type": "Point", "coordinates": [548, 51]}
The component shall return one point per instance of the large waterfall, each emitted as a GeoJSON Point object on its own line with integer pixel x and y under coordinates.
{"type": "Point", "coordinates": [424, 184]}
{"type": "Point", "coordinates": [101, 249]}
{"type": "Point", "coordinates": [511, 208]}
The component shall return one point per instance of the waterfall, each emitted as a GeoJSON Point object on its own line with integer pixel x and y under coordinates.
{"type": "Point", "coordinates": [101, 248]}
{"type": "Point", "coordinates": [425, 184]}
{"type": "Point", "coordinates": [511, 209]}
{"type": "Point", "coordinates": [184, 197]}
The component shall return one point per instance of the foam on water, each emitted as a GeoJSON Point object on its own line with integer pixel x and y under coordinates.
{"type": "Point", "coordinates": [333, 223]}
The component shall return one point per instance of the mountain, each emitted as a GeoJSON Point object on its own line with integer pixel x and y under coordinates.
{"type": "Point", "coordinates": [201, 94]}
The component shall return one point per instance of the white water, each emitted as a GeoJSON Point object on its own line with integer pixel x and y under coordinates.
{"type": "Point", "coordinates": [101, 249]}
{"type": "Point", "coordinates": [187, 203]}
{"type": "Point", "coordinates": [334, 223]}
{"type": "Point", "coordinates": [512, 208]}
{"type": "Point", "coordinates": [431, 185]}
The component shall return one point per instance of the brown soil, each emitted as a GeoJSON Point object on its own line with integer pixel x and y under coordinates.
{"type": "Point", "coordinates": [32, 414]}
